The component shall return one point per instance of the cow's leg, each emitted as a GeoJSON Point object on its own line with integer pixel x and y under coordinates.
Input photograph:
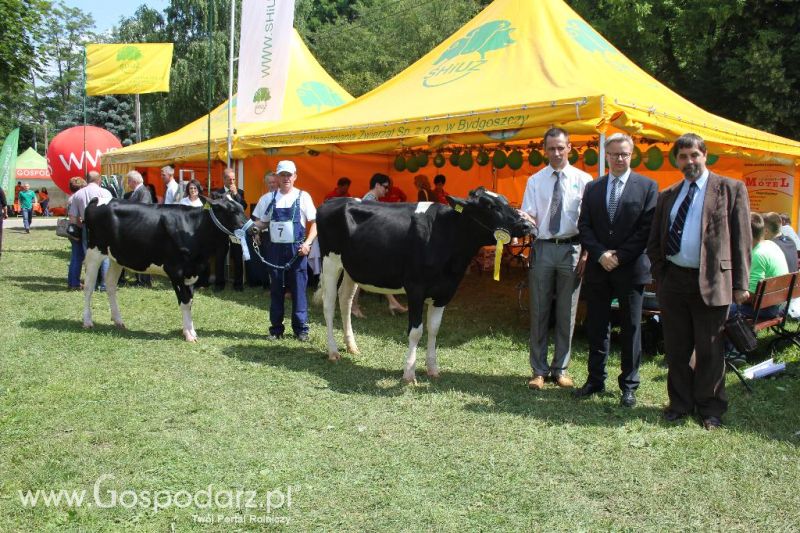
{"type": "Point", "coordinates": [415, 310]}
{"type": "Point", "coordinates": [347, 291]}
{"type": "Point", "coordinates": [112, 277]}
{"type": "Point", "coordinates": [184, 293]}
{"type": "Point", "coordinates": [92, 261]}
{"type": "Point", "coordinates": [331, 267]}
{"type": "Point", "coordinates": [434, 321]}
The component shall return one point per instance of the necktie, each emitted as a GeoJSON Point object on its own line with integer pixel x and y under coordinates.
{"type": "Point", "coordinates": [613, 201]}
{"type": "Point", "coordinates": [555, 208]}
{"type": "Point", "coordinates": [676, 230]}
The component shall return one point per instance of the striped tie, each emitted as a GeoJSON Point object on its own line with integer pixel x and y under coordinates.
{"type": "Point", "coordinates": [613, 201]}
{"type": "Point", "coordinates": [555, 208]}
{"type": "Point", "coordinates": [676, 230]}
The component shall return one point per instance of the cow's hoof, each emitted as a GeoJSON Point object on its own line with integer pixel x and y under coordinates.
{"type": "Point", "coordinates": [88, 325]}
{"type": "Point", "coordinates": [120, 325]}
{"type": "Point", "coordinates": [334, 357]}
{"type": "Point", "coordinates": [434, 374]}
{"type": "Point", "coordinates": [353, 349]}
{"type": "Point", "coordinates": [409, 380]}
{"type": "Point", "coordinates": [189, 337]}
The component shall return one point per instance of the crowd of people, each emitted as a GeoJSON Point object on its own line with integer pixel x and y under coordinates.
{"type": "Point", "coordinates": [606, 239]}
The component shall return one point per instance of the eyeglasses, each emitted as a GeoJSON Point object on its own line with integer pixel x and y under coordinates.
{"type": "Point", "coordinates": [619, 155]}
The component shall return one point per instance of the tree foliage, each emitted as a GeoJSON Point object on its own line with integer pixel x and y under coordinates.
{"type": "Point", "coordinates": [735, 58]}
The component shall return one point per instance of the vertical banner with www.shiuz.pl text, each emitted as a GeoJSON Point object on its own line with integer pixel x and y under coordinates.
{"type": "Point", "coordinates": [263, 59]}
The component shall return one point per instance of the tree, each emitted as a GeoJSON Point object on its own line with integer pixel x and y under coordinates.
{"type": "Point", "coordinates": [383, 38]}
{"type": "Point", "coordinates": [111, 112]}
{"type": "Point", "coordinates": [713, 52]}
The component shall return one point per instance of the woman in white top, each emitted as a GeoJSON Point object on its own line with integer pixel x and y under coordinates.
{"type": "Point", "coordinates": [192, 194]}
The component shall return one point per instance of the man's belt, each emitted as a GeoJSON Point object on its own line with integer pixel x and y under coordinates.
{"type": "Point", "coordinates": [575, 239]}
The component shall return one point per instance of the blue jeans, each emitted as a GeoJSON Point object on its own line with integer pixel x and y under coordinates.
{"type": "Point", "coordinates": [27, 217]}
{"type": "Point", "coordinates": [75, 264]}
{"type": "Point", "coordinates": [295, 279]}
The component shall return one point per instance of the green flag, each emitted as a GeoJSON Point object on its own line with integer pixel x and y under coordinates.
{"type": "Point", "coordinates": [8, 163]}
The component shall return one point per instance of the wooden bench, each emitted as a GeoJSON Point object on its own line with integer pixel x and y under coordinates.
{"type": "Point", "coordinates": [778, 290]}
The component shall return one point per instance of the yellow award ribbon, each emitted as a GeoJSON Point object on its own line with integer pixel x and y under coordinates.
{"type": "Point", "coordinates": [502, 237]}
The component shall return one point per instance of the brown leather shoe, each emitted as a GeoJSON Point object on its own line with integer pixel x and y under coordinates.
{"type": "Point", "coordinates": [564, 381]}
{"type": "Point", "coordinates": [536, 383]}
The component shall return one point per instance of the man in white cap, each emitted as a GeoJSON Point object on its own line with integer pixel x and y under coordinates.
{"type": "Point", "coordinates": [289, 211]}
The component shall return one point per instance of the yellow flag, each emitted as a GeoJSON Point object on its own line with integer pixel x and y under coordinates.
{"type": "Point", "coordinates": [134, 68]}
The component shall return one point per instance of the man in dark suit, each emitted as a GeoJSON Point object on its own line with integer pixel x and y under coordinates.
{"type": "Point", "coordinates": [232, 189]}
{"type": "Point", "coordinates": [141, 194]}
{"type": "Point", "coordinates": [614, 224]}
{"type": "Point", "coordinates": [699, 248]}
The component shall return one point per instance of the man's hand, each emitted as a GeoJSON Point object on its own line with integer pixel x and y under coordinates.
{"type": "Point", "coordinates": [740, 296]}
{"type": "Point", "coordinates": [581, 266]}
{"type": "Point", "coordinates": [609, 260]}
{"type": "Point", "coordinates": [305, 249]}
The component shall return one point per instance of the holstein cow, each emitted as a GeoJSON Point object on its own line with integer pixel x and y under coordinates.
{"type": "Point", "coordinates": [172, 240]}
{"type": "Point", "coordinates": [423, 249]}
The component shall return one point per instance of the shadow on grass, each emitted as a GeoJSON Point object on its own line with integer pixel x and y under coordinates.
{"type": "Point", "coordinates": [505, 393]}
{"type": "Point", "coordinates": [61, 325]}
{"type": "Point", "coordinates": [41, 283]}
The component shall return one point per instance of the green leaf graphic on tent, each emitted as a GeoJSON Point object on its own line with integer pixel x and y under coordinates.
{"type": "Point", "coordinates": [493, 35]}
{"type": "Point", "coordinates": [128, 57]}
{"type": "Point", "coordinates": [314, 93]}
{"type": "Point", "coordinates": [260, 98]}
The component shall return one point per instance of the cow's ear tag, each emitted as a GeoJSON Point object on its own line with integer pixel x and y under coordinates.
{"type": "Point", "coordinates": [458, 207]}
{"type": "Point", "coordinates": [502, 237]}
{"type": "Point", "coordinates": [207, 205]}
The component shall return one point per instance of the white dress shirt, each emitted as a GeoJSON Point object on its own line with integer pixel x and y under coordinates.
{"type": "Point", "coordinates": [691, 238]}
{"type": "Point", "coordinates": [539, 191]}
{"type": "Point", "coordinates": [622, 181]}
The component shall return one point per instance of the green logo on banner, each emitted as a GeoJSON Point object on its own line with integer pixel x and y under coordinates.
{"type": "Point", "coordinates": [128, 58]}
{"type": "Point", "coordinates": [260, 98]}
{"type": "Point", "coordinates": [314, 93]}
{"type": "Point", "coordinates": [458, 61]}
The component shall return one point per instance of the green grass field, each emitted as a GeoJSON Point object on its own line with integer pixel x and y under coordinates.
{"type": "Point", "coordinates": [138, 414]}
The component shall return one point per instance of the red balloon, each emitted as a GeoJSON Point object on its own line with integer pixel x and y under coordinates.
{"type": "Point", "coordinates": [71, 153]}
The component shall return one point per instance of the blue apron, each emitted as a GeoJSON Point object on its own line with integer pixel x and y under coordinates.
{"type": "Point", "coordinates": [294, 277]}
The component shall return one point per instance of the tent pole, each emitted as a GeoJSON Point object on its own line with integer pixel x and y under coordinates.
{"type": "Point", "coordinates": [601, 167]}
{"type": "Point", "coordinates": [138, 113]}
{"type": "Point", "coordinates": [230, 83]}
{"type": "Point", "coordinates": [210, 91]}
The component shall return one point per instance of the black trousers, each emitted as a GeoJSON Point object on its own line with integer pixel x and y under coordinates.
{"type": "Point", "coordinates": [236, 260]}
{"type": "Point", "coordinates": [598, 329]}
{"type": "Point", "coordinates": [692, 328]}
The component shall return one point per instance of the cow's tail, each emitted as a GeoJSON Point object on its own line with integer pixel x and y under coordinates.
{"type": "Point", "coordinates": [331, 270]}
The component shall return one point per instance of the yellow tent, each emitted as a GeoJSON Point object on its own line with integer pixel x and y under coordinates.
{"type": "Point", "coordinates": [517, 68]}
{"type": "Point", "coordinates": [309, 90]}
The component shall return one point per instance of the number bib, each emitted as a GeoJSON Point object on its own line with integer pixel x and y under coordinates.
{"type": "Point", "coordinates": [281, 232]}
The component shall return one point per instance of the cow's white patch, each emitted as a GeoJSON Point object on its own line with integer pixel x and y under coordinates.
{"type": "Point", "coordinates": [190, 281]}
{"type": "Point", "coordinates": [422, 207]}
{"type": "Point", "coordinates": [492, 194]}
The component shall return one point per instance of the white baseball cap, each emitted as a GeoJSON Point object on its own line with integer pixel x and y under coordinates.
{"type": "Point", "coordinates": [286, 166]}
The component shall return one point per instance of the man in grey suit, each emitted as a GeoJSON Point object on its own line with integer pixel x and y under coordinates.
{"type": "Point", "coordinates": [699, 248]}
{"type": "Point", "coordinates": [614, 225]}
{"type": "Point", "coordinates": [139, 193]}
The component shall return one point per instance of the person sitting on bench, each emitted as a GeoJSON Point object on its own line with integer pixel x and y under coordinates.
{"type": "Point", "coordinates": [766, 261]}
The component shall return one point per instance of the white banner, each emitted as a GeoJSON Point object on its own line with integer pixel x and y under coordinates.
{"type": "Point", "coordinates": [263, 59]}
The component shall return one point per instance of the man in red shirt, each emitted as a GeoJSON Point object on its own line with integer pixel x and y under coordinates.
{"type": "Point", "coordinates": [438, 189]}
{"type": "Point", "coordinates": [394, 194]}
{"type": "Point", "coordinates": [342, 189]}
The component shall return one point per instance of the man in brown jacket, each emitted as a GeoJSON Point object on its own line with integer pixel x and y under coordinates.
{"type": "Point", "coordinates": [699, 248]}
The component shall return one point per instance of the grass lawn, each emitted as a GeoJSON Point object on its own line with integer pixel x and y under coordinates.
{"type": "Point", "coordinates": [131, 413]}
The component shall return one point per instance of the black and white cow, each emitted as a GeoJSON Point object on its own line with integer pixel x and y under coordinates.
{"type": "Point", "coordinates": [172, 240]}
{"type": "Point", "coordinates": [421, 249]}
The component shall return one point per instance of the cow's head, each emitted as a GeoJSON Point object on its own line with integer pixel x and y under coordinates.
{"type": "Point", "coordinates": [493, 213]}
{"type": "Point", "coordinates": [227, 212]}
